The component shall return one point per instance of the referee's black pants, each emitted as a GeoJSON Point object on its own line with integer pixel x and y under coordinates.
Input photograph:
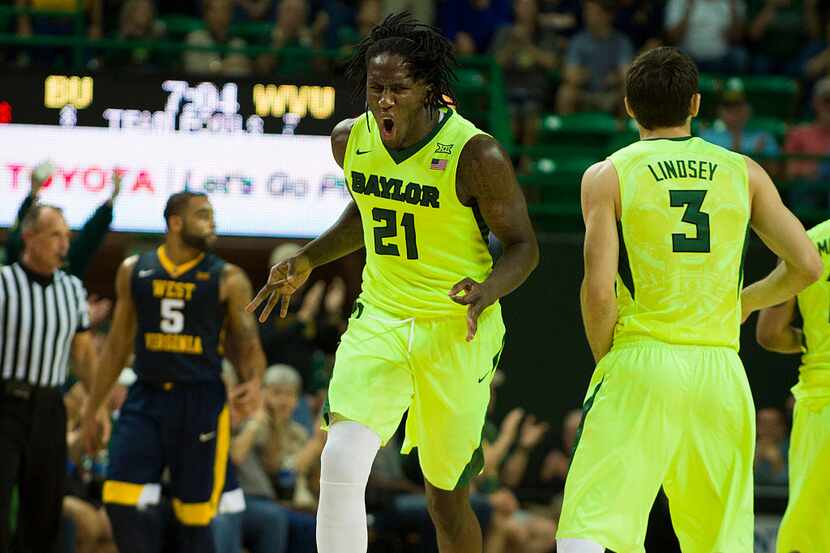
{"type": "Point", "coordinates": [33, 457]}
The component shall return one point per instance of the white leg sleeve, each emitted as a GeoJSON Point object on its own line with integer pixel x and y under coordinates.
{"type": "Point", "coordinates": [568, 545]}
{"type": "Point", "coordinates": [346, 462]}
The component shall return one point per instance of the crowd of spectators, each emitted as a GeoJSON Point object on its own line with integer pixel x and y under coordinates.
{"type": "Point", "coordinates": [723, 36]}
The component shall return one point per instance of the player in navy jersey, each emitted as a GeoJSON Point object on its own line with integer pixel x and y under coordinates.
{"type": "Point", "coordinates": [174, 305]}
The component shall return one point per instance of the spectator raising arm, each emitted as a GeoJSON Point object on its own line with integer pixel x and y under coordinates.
{"type": "Point", "coordinates": [530, 435]}
{"type": "Point", "coordinates": [497, 451]}
{"type": "Point", "coordinates": [84, 247]}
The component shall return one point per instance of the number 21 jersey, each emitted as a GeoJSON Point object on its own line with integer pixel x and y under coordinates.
{"type": "Point", "coordinates": [179, 318]}
{"type": "Point", "coordinates": [420, 239]}
{"type": "Point", "coordinates": [684, 223]}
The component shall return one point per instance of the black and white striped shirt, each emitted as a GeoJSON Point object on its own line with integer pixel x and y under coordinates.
{"type": "Point", "coordinates": [39, 318]}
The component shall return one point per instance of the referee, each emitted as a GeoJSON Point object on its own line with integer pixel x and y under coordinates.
{"type": "Point", "coordinates": [43, 322]}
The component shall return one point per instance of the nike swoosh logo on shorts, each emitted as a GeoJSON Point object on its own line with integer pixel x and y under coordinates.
{"type": "Point", "coordinates": [145, 272]}
{"type": "Point", "coordinates": [207, 436]}
{"type": "Point", "coordinates": [358, 152]}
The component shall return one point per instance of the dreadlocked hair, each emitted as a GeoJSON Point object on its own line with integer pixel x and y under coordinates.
{"type": "Point", "coordinates": [427, 53]}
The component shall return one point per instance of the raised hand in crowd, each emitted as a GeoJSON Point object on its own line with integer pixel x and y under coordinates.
{"type": "Point", "coordinates": [335, 297]}
{"type": "Point", "coordinates": [532, 432]}
{"type": "Point", "coordinates": [117, 180]}
{"type": "Point", "coordinates": [41, 173]}
{"type": "Point", "coordinates": [510, 424]}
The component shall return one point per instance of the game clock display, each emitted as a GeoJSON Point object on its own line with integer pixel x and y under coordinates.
{"type": "Point", "coordinates": [158, 104]}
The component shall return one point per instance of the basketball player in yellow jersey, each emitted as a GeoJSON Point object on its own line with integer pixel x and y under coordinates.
{"type": "Point", "coordinates": [427, 331]}
{"type": "Point", "coordinates": [669, 404]}
{"type": "Point", "coordinates": [806, 526]}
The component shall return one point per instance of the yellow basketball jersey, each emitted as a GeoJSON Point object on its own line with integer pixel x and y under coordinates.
{"type": "Point", "coordinates": [420, 240]}
{"type": "Point", "coordinates": [814, 305]}
{"type": "Point", "coordinates": [685, 217]}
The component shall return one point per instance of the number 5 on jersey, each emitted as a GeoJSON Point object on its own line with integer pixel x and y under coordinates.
{"type": "Point", "coordinates": [172, 319]}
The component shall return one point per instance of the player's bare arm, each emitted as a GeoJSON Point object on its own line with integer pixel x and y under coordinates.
{"type": "Point", "coordinates": [775, 331]}
{"type": "Point", "coordinates": [244, 348]}
{"type": "Point", "coordinates": [341, 239]}
{"type": "Point", "coordinates": [84, 358]}
{"type": "Point", "coordinates": [84, 365]}
{"type": "Point", "coordinates": [782, 232]}
{"type": "Point", "coordinates": [485, 176]}
{"type": "Point", "coordinates": [116, 351]}
{"type": "Point", "coordinates": [600, 210]}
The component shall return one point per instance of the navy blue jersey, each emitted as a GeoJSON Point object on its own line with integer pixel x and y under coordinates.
{"type": "Point", "coordinates": [180, 318]}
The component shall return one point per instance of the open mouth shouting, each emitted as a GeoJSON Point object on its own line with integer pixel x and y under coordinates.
{"type": "Point", "coordinates": [388, 129]}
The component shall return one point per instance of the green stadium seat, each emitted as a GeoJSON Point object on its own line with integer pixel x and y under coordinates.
{"type": "Point", "coordinates": [254, 32]}
{"type": "Point", "coordinates": [772, 95]}
{"type": "Point", "coordinates": [179, 26]}
{"type": "Point", "coordinates": [470, 80]}
{"type": "Point", "coordinates": [557, 166]}
{"type": "Point", "coordinates": [773, 125]}
{"type": "Point", "coordinates": [589, 129]}
{"type": "Point", "coordinates": [473, 95]}
{"type": "Point", "coordinates": [557, 179]}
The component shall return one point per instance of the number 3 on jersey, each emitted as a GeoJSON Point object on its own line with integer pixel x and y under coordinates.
{"type": "Point", "coordinates": [389, 229]}
{"type": "Point", "coordinates": [692, 200]}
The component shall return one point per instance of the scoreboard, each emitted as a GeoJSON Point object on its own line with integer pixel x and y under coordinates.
{"type": "Point", "coordinates": [160, 104]}
{"type": "Point", "coordinates": [260, 149]}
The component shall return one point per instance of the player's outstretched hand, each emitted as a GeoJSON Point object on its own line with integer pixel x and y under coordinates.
{"type": "Point", "coordinates": [285, 279]}
{"type": "Point", "coordinates": [477, 296]}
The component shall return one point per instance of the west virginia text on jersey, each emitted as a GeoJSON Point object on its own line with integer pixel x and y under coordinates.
{"type": "Point", "coordinates": [180, 318]}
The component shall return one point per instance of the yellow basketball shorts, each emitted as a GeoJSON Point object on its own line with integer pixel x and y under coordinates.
{"type": "Point", "coordinates": [680, 417]}
{"type": "Point", "coordinates": [806, 524]}
{"type": "Point", "coordinates": [385, 366]}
